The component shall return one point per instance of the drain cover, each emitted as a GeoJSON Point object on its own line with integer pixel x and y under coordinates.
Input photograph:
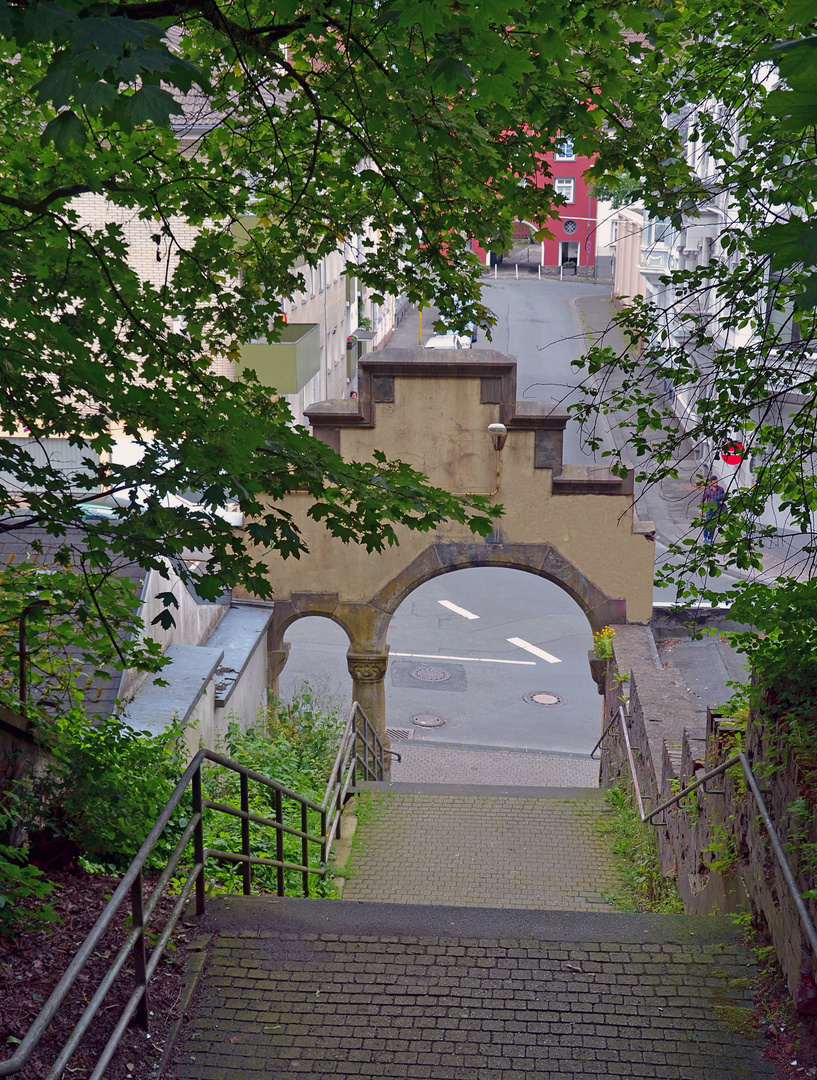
{"type": "Point", "coordinates": [399, 733]}
{"type": "Point", "coordinates": [424, 673]}
{"type": "Point", "coordinates": [425, 719]}
{"type": "Point", "coordinates": [546, 698]}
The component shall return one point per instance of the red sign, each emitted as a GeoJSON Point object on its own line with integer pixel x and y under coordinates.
{"type": "Point", "coordinates": [732, 453]}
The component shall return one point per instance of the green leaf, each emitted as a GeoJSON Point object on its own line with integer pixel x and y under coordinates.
{"type": "Point", "coordinates": [65, 131]}
{"type": "Point", "coordinates": [151, 104]}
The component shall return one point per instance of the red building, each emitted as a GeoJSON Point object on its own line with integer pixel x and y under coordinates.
{"type": "Point", "coordinates": [574, 229]}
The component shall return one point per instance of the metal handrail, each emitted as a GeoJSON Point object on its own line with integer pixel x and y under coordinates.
{"type": "Point", "coordinates": [358, 734]}
{"type": "Point", "coordinates": [751, 782]}
{"type": "Point", "coordinates": [622, 717]}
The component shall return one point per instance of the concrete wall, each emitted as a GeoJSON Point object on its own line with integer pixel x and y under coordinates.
{"type": "Point", "coordinates": [247, 702]}
{"type": "Point", "coordinates": [209, 683]}
{"type": "Point", "coordinates": [202, 728]}
{"type": "Point", "coordinates": [195, 620]}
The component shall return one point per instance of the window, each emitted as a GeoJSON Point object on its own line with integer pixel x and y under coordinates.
{"type": "Point", "coordinates": [320, 276]}
{"type": "Point", "coordinates": [657, 231]}
{"type": "Point", "coordinates": [565, 185]}
{"type": "Point", "coordinates": [564, 150]}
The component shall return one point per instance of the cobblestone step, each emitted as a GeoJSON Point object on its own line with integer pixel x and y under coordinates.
{"type": "Point", "coordinates": [439, 763]}
{"type": "Point", "coordinates": [482, 846]}
{"type": "Point", "coordinates": [337, 989]}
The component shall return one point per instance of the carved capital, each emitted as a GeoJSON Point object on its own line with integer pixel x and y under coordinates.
{"type": "Point", "coordinates": [367, 667]}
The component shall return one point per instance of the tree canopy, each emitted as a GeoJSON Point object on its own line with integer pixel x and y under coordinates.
{"type": "Point", "coordinates": [414, 127]}
{"type": "Point", "coordinates": [725, 350]}
{"type": "Point", "coordinates": [407, 124]}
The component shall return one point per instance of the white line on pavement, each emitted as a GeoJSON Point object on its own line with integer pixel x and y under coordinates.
{"type": "Point", "coordinates": [458, 610]}
{"type": "Point", "coordinates": [533, 649]}
{"type": "Point", "coordinates": [475, 659]}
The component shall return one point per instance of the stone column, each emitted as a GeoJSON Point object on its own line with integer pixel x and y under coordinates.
{"type": "Point", "coordinates": [276, 658]}
{"type": "Point", "coordinates": [368, 670]}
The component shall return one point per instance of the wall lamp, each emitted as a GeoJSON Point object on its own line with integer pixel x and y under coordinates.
{"type": "Point", "coordinates": [499, 433]}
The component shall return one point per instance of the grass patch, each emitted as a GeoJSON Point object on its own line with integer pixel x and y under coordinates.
{"type": "Point", "coordinates": [645, 888]}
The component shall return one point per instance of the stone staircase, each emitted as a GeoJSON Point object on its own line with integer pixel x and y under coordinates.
{"type": "Point", "coordinates": [473, 943]}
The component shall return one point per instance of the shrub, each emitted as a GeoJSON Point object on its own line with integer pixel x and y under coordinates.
{"type": "Point", "coordinates": [103, 790]}
{"type": "Point", "coordinates": [603, 643]}
{"type": "Point", "coordinates": [296, 745]}
{"type": "Point", "coordinates": [19, 881]}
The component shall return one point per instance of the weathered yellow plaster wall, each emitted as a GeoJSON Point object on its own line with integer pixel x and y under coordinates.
{"type": "Point", "coordinates": [429, 413]}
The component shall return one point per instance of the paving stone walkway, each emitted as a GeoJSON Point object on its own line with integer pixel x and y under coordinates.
{"type": "Point", "coordinates": [335, 989]}
{"type": "Point", "coordinates": [481, 847]}
{"type": "Point", "coordinates": [445, 764]}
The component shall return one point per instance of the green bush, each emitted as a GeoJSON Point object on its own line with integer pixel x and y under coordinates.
{"type": "Point", "coordinates": [645, 887]}
{"type": "Point", "coordinates": [104, 788]}
{"type": "Point", "coordinates": [107, 784]}
{"type": "Point", "coordinates": [19, 881]}
{"type": "Point", "coordinates": [296, 746]}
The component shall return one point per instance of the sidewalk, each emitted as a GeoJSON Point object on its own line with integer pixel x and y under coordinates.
{"type": "Point", "coordinates": [327, 988]}
{"type": "Point", "coordinates": [442, 764]}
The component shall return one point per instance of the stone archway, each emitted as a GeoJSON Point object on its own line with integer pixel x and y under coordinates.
{"type": "Point", "coordinates": [572, 524]}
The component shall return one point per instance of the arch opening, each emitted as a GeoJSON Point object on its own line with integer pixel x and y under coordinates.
{"type": "Point", "coordinates": [315, 646]}
{"type": "Point", "coordinates": [498, 657]}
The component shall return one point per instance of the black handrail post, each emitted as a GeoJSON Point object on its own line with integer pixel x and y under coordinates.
{"type": "Point", "coordinates": [336, 806]}
{"type": "Point", "coordinates": [324, 838]}
{"type": "Point", "coordinates": [304, 850]}
{"type": "Point", "coordinates": [23, 654]}
{"type": "Point", "coordinates": [279, 839]}
{"type": "Point", "coordinates": [140, 1016]}
{"type": "Point", "coordinates": [246, 869]}
{"type": "Point", "coordinates": [198, 840]}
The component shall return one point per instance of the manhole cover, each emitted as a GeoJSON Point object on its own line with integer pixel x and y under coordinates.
{"type": "Point", "coordinates": [545, 698]}
{"type": "Point", "coordinates": [424, 673]}
{"type": "Point", "coordinates": [425, 719]}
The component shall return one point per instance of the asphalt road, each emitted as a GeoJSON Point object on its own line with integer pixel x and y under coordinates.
{"type": "Point", "coordinates": [465, 670]}
{"type": "Point", "coordinates": [537, 323]}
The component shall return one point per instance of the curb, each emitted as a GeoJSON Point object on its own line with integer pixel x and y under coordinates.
{"type": "Point", "coordinates": [196, 959]}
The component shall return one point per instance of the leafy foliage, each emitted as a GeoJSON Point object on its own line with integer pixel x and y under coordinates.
{"type": "Point", "coordinates": [106, 785]}
{"type": "Point", "coordinates": [603, 643]}
{"type": "Point", "coordinates": [296, 746]}
{"type": "Point", "coordinates": [20, 882]}
{"type": "Point", "coordinates": [104, 788]}
{"type": "Point", "coordinates": [392, 137]}
{"type": "Point", "coordinates": [645, 887]}
{"type": "Point", "coordinates": [80, 623]}
{"type": "Point", "coordinates": [724, 351]}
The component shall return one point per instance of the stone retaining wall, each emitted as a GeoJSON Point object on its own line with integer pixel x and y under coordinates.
{"type": "Point", "coordinates": [715, 844]}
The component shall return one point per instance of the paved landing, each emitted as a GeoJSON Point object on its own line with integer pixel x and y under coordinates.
{"type": "Point", "coordinates": [481, 847]}
{"type": "Point", "coordinates": [334, 989]}
{"type": "Point", "coordinates": [454, 765]}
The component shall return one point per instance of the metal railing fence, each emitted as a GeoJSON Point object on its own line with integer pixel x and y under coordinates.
{"type": "Point", "coordinates": [360, 750]}
{"type": "Point", "coordinates": [700, 782]}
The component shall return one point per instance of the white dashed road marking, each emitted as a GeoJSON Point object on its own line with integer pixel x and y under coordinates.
{"type": "Point", "coordinates": [526, 645]}
{"type": "Point", "coordinates": [473, 659]}
{"type": "Point", "coordinates": [458, 610]}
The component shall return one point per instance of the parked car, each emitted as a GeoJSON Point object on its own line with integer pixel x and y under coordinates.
{"type": "Point", "coordinates": [446, 341]}
{"type": "Point", "coordinates": [466, 336]}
